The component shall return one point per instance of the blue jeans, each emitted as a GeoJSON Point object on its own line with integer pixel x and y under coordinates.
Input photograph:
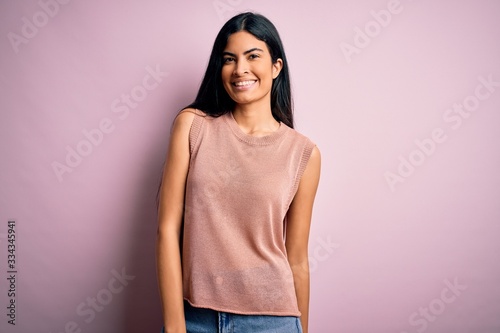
{"type": "Point", "coordinates": [200, 320]}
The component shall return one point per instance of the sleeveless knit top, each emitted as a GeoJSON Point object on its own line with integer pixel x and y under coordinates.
{"type": "Point", "coordinates": [238, 191]}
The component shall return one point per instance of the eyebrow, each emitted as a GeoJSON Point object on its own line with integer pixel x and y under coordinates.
{"type": "Point", "coordinates": [246, 52]}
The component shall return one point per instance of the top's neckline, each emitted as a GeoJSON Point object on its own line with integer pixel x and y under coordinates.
{"type": "Point", "coordinates": [257, 140]}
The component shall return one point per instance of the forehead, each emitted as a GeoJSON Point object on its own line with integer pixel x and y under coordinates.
{"type": "Point", "coordinates": [242, 41]}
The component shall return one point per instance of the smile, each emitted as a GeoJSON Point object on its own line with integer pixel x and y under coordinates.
{"type": "Point", "coordinates": [243, 83]}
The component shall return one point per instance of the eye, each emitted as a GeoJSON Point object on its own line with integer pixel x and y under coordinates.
{"type": "Point", "coordinates": [254, 56]}
{"type": "Point", "coordinates": [227, 60]}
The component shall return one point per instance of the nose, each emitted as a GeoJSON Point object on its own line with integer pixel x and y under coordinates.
{"type": "Point", "coordinates": [240, 68]}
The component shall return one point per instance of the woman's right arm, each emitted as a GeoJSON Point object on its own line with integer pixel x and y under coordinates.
{"type": "Point", "coordinates": [170, 213]}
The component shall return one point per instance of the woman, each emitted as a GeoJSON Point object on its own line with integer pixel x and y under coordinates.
{"type": "Point", "coordinates": [237, 194]}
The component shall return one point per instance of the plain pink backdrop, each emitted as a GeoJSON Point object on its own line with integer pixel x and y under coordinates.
{"type": "Point", "coordinates": [372, 81]}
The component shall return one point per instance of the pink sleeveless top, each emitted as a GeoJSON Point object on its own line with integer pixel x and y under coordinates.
{"type": "Point", "coordinates": [238, 191]}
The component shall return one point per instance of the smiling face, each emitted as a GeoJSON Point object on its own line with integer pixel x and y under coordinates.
{"type": "Point", "coordinates": [248, 70]}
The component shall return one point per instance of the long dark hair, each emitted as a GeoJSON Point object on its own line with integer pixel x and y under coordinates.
{"type": "Point", "coordinates": [213, 99]}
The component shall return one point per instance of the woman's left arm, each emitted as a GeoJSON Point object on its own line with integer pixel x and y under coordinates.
{"type": "Point", "coordinates": [297, 233]}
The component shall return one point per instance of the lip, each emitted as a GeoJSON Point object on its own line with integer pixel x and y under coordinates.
{"type": "Point", "coordinates": [250, 84]}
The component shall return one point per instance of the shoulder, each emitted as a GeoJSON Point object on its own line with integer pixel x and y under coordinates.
{"type": "Point", "coordinates": [299, 137]}
{"type": "Point", "coordinates": [312, 171]}
{"type": "Point", "coordinates": [185, 118]}
{"type": "Point", "coordinates": [315, 158]}
{"type": "Point", "coordinates": [187, 115]}
{"type": "Point", "coordinates": [311, 151]}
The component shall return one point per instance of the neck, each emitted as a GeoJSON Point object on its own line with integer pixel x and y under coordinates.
{"type": "Point", "coordinates": [255, 119]}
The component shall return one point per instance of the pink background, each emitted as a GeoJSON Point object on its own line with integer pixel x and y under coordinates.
{"type": "Point", "coordinates": [383, 253]}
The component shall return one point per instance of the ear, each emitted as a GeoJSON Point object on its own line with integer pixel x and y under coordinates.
{"type": "Point", "coordinates": [277, 66]}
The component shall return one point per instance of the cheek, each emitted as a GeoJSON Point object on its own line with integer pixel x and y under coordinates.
{"type": "Point", "coordinates": [225, 74]}
{"type": "Point", "coordinates": [266, 76]}
{"type": "Point", "coordinates": [226, 80]}
{"type": "Point", "coordinates": [265, 72]}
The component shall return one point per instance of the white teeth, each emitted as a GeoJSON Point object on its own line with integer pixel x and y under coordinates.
{"type": "Point", "coordinates": [243, 83]}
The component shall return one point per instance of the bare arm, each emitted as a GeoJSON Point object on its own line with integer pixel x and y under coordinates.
{"type": "Point", "coordinates": [170, 213]}
{"type": "Point", "coordinates": [297, 233]}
